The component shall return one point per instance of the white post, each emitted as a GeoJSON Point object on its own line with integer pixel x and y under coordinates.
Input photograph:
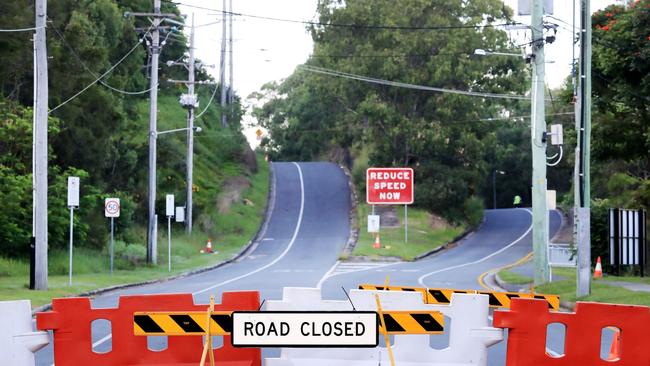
{"type": "Point", "coordinates": [112, 250]}
{"type": "Point", "coordinates": [406, 224]}
{"type": "Point", "coordinates": [169, 243]}
{"type": "Point", "coordinates": [71, 232]}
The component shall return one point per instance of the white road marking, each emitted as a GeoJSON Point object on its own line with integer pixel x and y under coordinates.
{"type": "Point", "coordinates": [421, 279]}
{"type": "Point", "coordinates": [327, 274]}
{"type": "Point", "coordinates": [286, 250]}
{"type": "Point", "coordinates": [276, 260]}
{"type": "Point", "coordinates": [267, 239]}
{"type": "Point", "coordinates": [345, 268]}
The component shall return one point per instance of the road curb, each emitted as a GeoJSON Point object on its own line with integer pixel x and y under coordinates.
{"type": "Point", "coordinates": [501, 286]}
{"type": "Point", "coordinates": [353, 215]}
{"type": "Point", "coordinates": [270, 202]}
{"type": "Point", "coordinates": [446, 245]}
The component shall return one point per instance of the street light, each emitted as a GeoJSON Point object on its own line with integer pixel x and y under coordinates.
{"type": "Point", "coordinates": [482, 52]}
{"type": "Point", "coordinates": [494, 186]}
{"type": "Point", "coordinates": [195, 128]}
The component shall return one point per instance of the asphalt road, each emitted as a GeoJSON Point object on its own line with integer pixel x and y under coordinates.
{"type": "Point", "coordinates": [307, 229]}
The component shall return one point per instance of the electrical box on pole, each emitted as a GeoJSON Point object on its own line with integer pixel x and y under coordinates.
{"type": "Point", "coordinates": [557, 135]}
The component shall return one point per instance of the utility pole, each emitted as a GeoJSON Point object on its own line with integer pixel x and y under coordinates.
{"type": "Point", "coordinates": [231, 96]}
{"type": "Point", "coordinates": [190, 134]}
{"type": "Point", "coordinates": [582, 187]}
{"type": "Point", "coordinates": [538, 145]}
{"type": "Point", "coordinates": [222, 76]}
{"type": "Point", "coordinates": [39, 152]}
{"type": "Point", "coordinates": [152, 235]}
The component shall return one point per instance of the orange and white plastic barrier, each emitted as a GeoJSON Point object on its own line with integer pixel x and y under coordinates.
{"type": "Point", "coordinates": [527, 322]}
{"type": "Point", "coordinates": [71, 320]}
{"type": "Point", "coordinates": [18, 342]}
{"type": "Point", "coordinates": [470, 333]}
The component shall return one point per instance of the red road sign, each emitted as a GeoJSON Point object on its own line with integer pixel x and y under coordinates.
{"type": "Point", "coordinates": [389, 186]}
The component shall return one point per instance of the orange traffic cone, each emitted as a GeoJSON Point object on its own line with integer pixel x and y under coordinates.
{"type": "Point", "coordinates": [377, 244]}
{"type": "Point", "coordinates": [615, 350]}
{"type": "Point", "coordinates": [598, 272]}
{"type": "Point", "coordinates": [208, 246]}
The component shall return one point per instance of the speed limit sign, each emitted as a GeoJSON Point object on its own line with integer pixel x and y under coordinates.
{"type": "Point", "coordinates": [112, 207]}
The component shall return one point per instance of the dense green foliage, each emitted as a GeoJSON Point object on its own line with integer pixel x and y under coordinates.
{"type": "Point", "coordinates": [101, 135]}
{"type": "Point", "coordinates": [453, 141]}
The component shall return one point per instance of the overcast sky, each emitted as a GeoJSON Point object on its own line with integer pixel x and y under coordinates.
{"type": "Point", "coordinates": [269, 50]}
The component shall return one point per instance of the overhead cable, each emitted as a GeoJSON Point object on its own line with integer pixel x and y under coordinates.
{"type": "Point", "coordinates": [348, 25]}
{"type": "Point", "coordinates": [101, 76]}
{"type": "Point", "coordinates": [324, 71]}
{"type": "Point", "coordinates": [91, 72]}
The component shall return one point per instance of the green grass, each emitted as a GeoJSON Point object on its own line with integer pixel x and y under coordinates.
{"type": "Point", "coordinates": [91, 267]}
{"type": "Point", "coordinates": [421, 237]}
{"type": "Point", "coordinates": [514, 278]}
{"type": "Point", "coordinates": [600, 292]}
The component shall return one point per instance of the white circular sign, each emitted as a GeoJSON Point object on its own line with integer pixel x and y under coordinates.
{"type": "Point", "coordinates": [112, 207]}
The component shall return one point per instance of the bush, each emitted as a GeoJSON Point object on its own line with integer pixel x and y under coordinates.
{"type": "Point", "coordinates": [128, 256]}
{"type": "Point", "coordinates": [473, 211]}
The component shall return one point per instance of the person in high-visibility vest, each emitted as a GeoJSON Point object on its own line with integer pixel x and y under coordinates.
{"type": "Point", "coordinates": [517, 201]}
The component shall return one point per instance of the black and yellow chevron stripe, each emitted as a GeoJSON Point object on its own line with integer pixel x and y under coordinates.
{"type": "Point", "coordinates": [443, 296]}
{"type": "Point", "coordinates": [181, 323]}
{"type": "Point", "coordinates": [193, 323]}
{"type": "Point", "coordinates": [413, 322]}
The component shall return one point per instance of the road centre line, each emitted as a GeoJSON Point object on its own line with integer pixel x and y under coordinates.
{"type": "Point", "coordinates": [286, 250]}
{"type": "Point", "coordinates": [421, 279]}
{"type": "Point", "coordinates": [276, 260]}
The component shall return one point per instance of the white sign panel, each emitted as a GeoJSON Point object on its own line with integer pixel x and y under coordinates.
{"type": "Point", "coordinates": [73, 191]}
{"type": "Point", "coordinates": [373, 223]}
{"type": "Point", "coordinates": [180, 214]}
{"type": "Point", "coordinates": [305, 329]}
{"type": "Point", "coordinates": [169, 207]}
{"type": "Point", "coordinates": [551, 199]}
{"type": "Point", "coordinates": [112, 207]}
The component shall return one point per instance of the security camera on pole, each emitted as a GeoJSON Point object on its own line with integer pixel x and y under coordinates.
{"type": "Point", "coordinates": [73, 202]}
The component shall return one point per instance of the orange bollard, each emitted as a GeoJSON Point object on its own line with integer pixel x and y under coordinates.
{"type": "Point", "coordinates": [615, 351]}
{"type": "Point", "coordinates": [598, 272]}
{"type": "Point", "coordinates": [377, 244]}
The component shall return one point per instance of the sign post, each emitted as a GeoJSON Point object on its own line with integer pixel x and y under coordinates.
{"type": "Point", "coordinates": [169, 211]}
{"type": "Point", "coordinates": [390, 186]}
{"type": "Point", "coordinates": [112, 210]}
{"type": "Point", "coordinates": [73, 202]}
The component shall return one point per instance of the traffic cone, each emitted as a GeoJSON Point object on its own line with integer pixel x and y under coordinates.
{"type": "Point", "coordinates": [598, 272]}
{"type": "Point", "coordinates": [615, 350]}
{"type": "Point", "coordinates": [208, 246]}
{"type": "Point", "coordinates": [377, 244]}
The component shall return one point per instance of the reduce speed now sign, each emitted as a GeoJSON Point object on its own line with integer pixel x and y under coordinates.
{"type": "Point", "coordinates": [389, 186]}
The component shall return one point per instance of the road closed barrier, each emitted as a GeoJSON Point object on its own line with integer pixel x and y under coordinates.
{"type": "Point", "coordinates": [18, 342]}
{"type": "Point", "coordinates": [71, 319]}
{"type": "Point", "coordinates": [528, 319]}
{"type": "Point", "coordinates": [470, 334]}
{"type": "Point", "coordinates": [443, 295]}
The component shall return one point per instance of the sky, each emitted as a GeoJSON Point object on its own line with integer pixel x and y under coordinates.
{"type": "Point", "coordinates": [265, 51]}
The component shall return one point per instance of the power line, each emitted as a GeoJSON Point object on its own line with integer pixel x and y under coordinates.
{"type": "Point", "coordinates": [21, 29]}
{"type": "Point", "coordinates": [214, 92]}
{"type": "Point", "coordinates": [395, 55]}
{"type": "Point", "coordinates": [85, 66]}
{"type": "Point", "coordinates": [344, 25]}
{"type": "Point", "coordinates": [324, 71]}
{"type": "Point", "coordinates": [100, 77]}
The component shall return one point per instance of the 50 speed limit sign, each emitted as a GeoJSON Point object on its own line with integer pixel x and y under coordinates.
{"type": "Point", "coordinates": [112, 207]}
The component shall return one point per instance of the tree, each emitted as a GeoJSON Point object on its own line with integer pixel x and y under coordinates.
{"type": "Point", "coordinates": [442, 136]}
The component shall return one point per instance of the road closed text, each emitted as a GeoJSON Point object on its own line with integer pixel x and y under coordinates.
{"type": "Point", "coordinates": [305, 329]}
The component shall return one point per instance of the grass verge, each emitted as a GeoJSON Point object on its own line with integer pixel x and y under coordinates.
{"type": "Point", "coordinates": [421, 236]}
{"type": "Point", "coordinates": [600, 291]}
{"type": "Point", "coordinates": [514, 278]}
{"type": "Point", "coordinates": [91, 267]}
